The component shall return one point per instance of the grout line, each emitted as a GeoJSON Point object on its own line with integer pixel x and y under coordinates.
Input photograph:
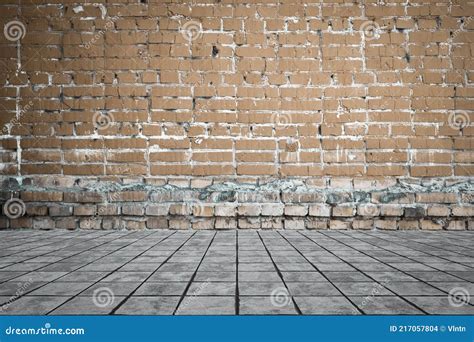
{"type": "Point", "coordinates": [422, 243]}
{"type": "Point", "coordinates": [280, 275]}
{"type": "Point", "coordinates": [67, 273]}
{"type": "Point", "coordinates": [52, 243]}
{"type": "Point", "coordinates": [317, 269]}
{"type": "Point", "coordinates": [418, 262]}
{"type": "Point", "coordinates": [188, 285]}
{"type": "Point", "coordinates": [65, 258]}
{"type": "Point", "coordinates": [110, 272]}
{"type": "Point", "coordinates": [237, 294]}
{"type": "Point", "coordinates": [152, 273]}
{"type": "Point", "coordinates": [401, 296]}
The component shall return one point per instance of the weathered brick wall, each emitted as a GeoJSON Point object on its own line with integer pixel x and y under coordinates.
{"type": "Point", "coordinates": [237, 114]}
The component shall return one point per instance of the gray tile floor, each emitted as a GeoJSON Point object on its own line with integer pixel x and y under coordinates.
{"type": "Point", "coordinates": [236, 272]}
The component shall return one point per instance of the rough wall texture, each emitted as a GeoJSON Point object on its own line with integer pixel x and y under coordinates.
{"type": "Point", "coordinates": [237, 114]}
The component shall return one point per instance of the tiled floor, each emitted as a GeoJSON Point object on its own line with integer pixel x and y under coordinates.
{"type": "Point", "coordinates": [236, 272]}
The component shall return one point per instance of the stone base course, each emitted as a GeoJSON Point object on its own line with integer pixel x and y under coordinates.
{"type": "Point", "coordinates": [239, 204]}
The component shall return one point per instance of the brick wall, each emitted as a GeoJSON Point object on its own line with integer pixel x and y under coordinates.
{"type": "Point", "coordinates": [237, 114]}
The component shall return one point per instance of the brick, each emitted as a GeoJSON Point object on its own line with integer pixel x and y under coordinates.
{"type": "Point", "coordinates": [225, 210]}
{"type": "Point", "coordinates": [179, 223]}
{"type": "Point", "coordinates": [133, 210]}
{"type": "Point", "coordinates": [128, 196]}
{"type": "Point", "coordinates": [386, 224]}
{"type": "Point", "coordinates": [157, 223]}
{"type": "Point", "coordinates": [393, 198]}
{"type": "Point", "coordinates": [368, 210]}
{"type": "Point", "coordinates": [345, 211]}
{"type": "Point", "coordinates": [438, 210]}
{"type": "Point", "coordinates": [363, 224]}
{"type": "Point", "coordinates": [431, 225]}
{"type": "Point", "coordinates": [225, 223]}
{"type": "Point", "coordinates": [60, 211]}
{"type": "Point", "coordinates": [43, 223]}
{"type": "Point", "coordinates": [53, 196]}
{"type": "Point", "coordinates": [338, 224]}
{"type": "Point", "coordinates": [408, 224]}
{"type": "Point", "coordinates": [207, 223]}
{"type": "Point", "coordinates": [37, 210]}
{"type": "Point", "coordinates": [134, 225]}
{"type": "Point", "coordinates": [85, 210]}
{"type": "Point", "coordinates": [320, 210]}
{"type": "Point", "coordinates": [391, 210]}
{"type": "Point", "coordinates": [436, 198]}
{"type": "Point", "coordinates": [90, 223]}
{"type": "Point", "coordinates": [157, 210]}
{"type": "Point", "coordinates": [85, 197]}
{"type": "Point", "coordinates": [415, 212]}
{"type": "Point", "coordinates": [180, 209]}
{"type": "Point", "coordinates": [272, 209]}
{"type": "Point", "coordinates": [249, 210]}
{"type": "Point", "coordinates": [294, 224]}
{"type": "Point", "coordinates": [112, 223]}
{"type": "Point", "coordinates": [463, 211]}
{"type": "Point", "coordinates": [108, 209]}
{"type": "Point", "coordinates": [316, 223]}
{"type": "Point", "coordinates": [456, 225]}
{"type": "Point", "coordinates": [66, 223]}
{"type": "Point", "coordinates": [249, 222]}
{"type": "Point", "coordinates": [296, 210]}
{"type": "Point", "coordinates": [294, 197]}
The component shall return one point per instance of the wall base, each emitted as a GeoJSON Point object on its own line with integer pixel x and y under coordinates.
{"type": "Point", "coordinates": [68, 203]}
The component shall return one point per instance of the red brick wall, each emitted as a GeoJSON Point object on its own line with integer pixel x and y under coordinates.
{"type": "Point", "coordinates": [333, 93]}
